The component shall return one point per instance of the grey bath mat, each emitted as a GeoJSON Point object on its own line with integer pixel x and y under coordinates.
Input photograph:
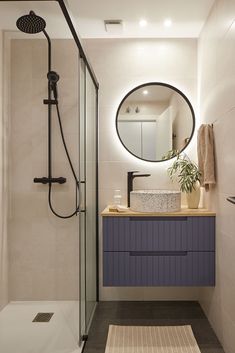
{"type": "Point", "coordinates": [151, 339]}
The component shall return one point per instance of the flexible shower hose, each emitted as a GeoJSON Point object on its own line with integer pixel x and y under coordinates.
{"type": "Point", "coordinates": [72, 169]}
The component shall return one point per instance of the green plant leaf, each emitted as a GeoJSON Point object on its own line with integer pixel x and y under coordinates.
{"type": "Point", "coordinates": [185, 172]}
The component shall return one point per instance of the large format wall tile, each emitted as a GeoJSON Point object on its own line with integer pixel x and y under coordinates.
{"type": "Point", "coordinates": [217, 87]}
{"type": "Point", "coordinates": [121, 65]}
{"type": "Point", "coordinates": [43, 250]}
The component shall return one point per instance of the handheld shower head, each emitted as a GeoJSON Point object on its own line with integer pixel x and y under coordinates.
{"type": "Point", "coordinates": [31, 23]}
{"type": "Point", "coordinates": [53, 78]}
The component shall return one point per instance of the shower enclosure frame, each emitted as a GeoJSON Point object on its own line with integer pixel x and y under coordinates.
{"type": "Point", "coordinates": [96, 84]}
{"type": "Point", "coordinates": [83, 56]}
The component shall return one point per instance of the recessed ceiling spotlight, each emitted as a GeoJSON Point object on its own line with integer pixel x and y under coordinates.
{"type": "Point", "coordinates": [143, 23]}
{"type": "Point", "coordinates": [168, 22]}
{"type": "Point", "coordinates": [145, 92]}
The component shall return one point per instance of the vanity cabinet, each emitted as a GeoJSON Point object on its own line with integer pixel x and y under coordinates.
{"type": "Point", "coordinates": [169, 250]}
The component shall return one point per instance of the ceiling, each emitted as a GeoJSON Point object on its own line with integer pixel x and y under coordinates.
{"type": "Point", "coordinates": [10, 11]}
{"type": "Point", "coordinates": [155, 93]}
{"type": "Point", "coordinates": [188, 17]}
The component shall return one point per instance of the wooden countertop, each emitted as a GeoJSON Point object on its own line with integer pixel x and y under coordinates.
{"type": "Point", "coordinates": [183, 212]}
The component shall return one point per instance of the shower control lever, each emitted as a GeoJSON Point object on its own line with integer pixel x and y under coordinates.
{"type": "Point", "coordinates": [45, 180]}
{"type": "Point", "coordinates": [50, 101]}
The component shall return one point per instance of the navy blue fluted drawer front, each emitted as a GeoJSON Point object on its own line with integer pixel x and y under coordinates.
{"type": "Point", "coordinates": [159, 233]}
{"type": "Point", "coordinates": [159, 269]}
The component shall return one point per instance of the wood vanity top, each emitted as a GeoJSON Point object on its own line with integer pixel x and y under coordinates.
{"type": "Point", "coordinates": [183, 212]}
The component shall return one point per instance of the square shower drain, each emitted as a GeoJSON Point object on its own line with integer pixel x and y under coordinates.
{"type": "Point", "coordinates": [43, 317]}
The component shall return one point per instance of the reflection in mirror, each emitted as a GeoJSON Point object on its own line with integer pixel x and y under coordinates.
{"type": "Point", "coordinates": [155, 122]}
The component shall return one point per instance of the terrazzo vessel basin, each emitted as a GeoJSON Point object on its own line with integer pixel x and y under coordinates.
{"type": "Point", "coordinates": [155, 201]}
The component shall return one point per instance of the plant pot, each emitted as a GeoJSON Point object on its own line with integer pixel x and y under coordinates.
{"type": "Point", "coordinates": [193, 198]}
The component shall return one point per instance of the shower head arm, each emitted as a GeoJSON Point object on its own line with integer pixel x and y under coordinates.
{"type": "Point", "coordinates": [49, 49]}
{"type": "Point", "coordinates": [33, 24]}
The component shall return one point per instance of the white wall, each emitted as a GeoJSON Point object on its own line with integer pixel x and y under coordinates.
{"type": "Point", "coordinates": [182, 125]}
{"type": "Point", "coordinates": [217, 96]}
{"type": "Point", "coordinates": [43, 250]}
{"type": "Point", "coordinates": [145, 108]}
{"type": "Point", "coordinates": [3, 205]}
{"type": "Point", "coordinates": [121, 65]}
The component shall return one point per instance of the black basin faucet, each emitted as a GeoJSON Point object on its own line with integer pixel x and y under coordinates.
{"type": "Point", "coordinates": [130, 178]}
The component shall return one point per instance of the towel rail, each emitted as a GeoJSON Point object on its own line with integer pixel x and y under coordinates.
{"type": "Point", "coordinates": [231, 199]}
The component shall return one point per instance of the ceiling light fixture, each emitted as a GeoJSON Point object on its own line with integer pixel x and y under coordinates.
{"type": "Point", "coordinates": [168, 22]}
{"type": "Point", "coordinates": [143, 23]}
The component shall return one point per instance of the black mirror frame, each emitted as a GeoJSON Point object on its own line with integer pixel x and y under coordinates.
{"type": "Point", "coordinates": [164, 85]}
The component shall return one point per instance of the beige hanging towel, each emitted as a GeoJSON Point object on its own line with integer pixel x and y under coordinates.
{"type": "Point", "coordinates": [206, 155]}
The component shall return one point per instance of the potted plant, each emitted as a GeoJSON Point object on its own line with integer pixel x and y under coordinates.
{"type": "Point", "coordinates": [188, 177]}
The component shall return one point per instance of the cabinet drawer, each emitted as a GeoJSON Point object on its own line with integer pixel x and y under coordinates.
{"type": "Point", "coordinates": [159, 233]}
{"type": "Point", "coordinates": [159, 268]}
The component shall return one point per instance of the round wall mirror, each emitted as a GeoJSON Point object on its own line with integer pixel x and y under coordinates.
{"type": "Point", "coordinates": [155, 121]}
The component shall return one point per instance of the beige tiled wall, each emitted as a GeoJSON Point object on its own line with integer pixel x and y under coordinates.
{"type": "Point", "coordinates": [43, 249]}
{"type": "Point", "coordinates": [217, 97]}
{"type": "Point", "coordinates": [121, 65]}
{"type": "Point", "coordinates": [3, 213]}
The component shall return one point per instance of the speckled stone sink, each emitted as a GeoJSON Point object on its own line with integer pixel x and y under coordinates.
{"type": "Point", "coordinates": [155, 201]}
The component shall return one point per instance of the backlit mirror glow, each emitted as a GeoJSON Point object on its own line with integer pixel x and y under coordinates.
{"type": "Point", "coordinates": [155, 122]}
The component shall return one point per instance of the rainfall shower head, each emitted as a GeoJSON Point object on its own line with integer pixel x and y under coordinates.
{"type": "Point", "coordinates": [31, 23]}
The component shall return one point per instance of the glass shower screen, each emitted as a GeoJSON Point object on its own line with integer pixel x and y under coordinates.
{"type": "Point", "coordinates": [52, 262]}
